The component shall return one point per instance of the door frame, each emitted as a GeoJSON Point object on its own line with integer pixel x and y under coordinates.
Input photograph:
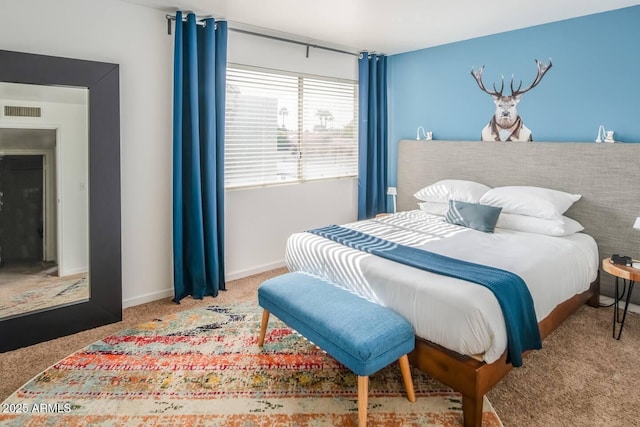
{"type": "Point", "coordinates": [51, 194]}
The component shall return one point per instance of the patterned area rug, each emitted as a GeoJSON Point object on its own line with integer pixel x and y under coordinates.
{"type": "Point", "coordinates": [35, 293]}
{"type": "Point", "coordinates": [203, 368]}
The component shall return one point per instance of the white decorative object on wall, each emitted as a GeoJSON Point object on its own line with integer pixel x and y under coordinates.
{"type": "Point", "coordinates": [427, 136]}
{"type": "Point", "coordinates": [608, 136]}
{"type": "Point", "coordinates": [604, 135]}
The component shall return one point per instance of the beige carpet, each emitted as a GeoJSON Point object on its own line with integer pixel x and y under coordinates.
{"type": "Point", "coordinates": [582, 377]}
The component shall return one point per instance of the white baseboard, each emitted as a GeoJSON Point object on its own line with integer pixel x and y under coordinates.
{"type": "Point", "coordinates": [254, 270]}
{"type": "Point", "coordinates": [142, 299]}
{"type": "Point", "coordinates": [72, 272]}
{"type": "Point", "coordinates": [608, 300]}
{"type": "Point", "coordinates": [154, 296]}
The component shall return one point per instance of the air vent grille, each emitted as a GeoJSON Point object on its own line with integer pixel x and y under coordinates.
{"type": "Point", "coordinates": [16, 111]}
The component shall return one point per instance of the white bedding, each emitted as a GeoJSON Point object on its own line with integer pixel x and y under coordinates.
{"type": "Point", "coordinates": [453, 313]}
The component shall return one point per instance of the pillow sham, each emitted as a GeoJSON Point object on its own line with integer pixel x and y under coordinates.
{"type": "Point", "coordinates": [533, 201]}
{"type": "Point", "coordinates": [452, 189]}
{"type": "Point", "coordinates": [565, 226]}
{"type": "Point", "coordinates": [473, 215]}
{"type": "Point", "coordinates": [434, 208]}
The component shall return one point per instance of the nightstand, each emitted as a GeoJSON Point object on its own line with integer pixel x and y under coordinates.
{"type": "Point", "coordinates": [624, 273]}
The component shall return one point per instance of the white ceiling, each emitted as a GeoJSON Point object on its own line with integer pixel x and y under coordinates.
{"type": "Point", "coordinates": [385, 26]}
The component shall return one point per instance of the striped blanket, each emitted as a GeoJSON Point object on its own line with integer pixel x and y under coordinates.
{"type": "Point", "coordinates": [509, 289]}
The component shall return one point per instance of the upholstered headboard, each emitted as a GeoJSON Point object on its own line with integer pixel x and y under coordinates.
{"type": "Point", "coordinates": [607, 176]}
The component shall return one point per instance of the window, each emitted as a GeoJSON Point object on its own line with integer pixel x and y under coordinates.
{"type": "Point", "coordinates": [283, 127]}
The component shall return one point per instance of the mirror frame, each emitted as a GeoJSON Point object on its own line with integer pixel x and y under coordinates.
{"type": "Point", "coordinates": [105, 267]}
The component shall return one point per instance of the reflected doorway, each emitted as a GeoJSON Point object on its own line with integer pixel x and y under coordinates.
{"type": "Point", "coordinates": [23, 242]}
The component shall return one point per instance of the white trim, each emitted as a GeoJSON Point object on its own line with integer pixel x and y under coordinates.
{"type": "Point", "coordinates": [150, 297]}
{"type": "Point", "coordinates": [168, 293]}
{"type": "Point", "coordinates": [605, 300]}
{"type": "Point", "coordinates": [74, 272]}
{"type": "Point", "coordinates": [254, 270]}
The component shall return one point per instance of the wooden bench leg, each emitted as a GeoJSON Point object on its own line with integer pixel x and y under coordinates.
{"type": "Point", "coordinates": [363, 395]}
{"type": "Point", "coordinates": [406, 376]}
{"type": "Point", "coordinates": [263, 327]}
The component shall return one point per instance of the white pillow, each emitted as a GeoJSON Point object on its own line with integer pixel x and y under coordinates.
{"type": "Point", "coordinates": [452, 189]}
{"type": "Point", "coordinates": [530, 224]}
{"type": "Point", "coordinates": [533, 201]}
{"type": "Point", "coordinates": [434, 208]}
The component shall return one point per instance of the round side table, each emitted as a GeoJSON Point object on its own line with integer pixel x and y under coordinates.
{"type": "Point", "coordinates": [624, 273]}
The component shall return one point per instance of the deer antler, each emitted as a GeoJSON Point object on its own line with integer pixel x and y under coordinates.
{"type": "Point", "coordinates": [542, 70]}
{"type": "Point", "coordinates": [477, 75]}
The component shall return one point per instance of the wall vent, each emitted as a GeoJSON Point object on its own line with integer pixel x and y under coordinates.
{"type": "Point", "coordinates": [15, 111]}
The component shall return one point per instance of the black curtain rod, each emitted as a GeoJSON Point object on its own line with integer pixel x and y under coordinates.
{"type": "Point", "coordinates": [282, 39]}
{"type": "Point", "coordinates": [173, 18]}
{"type": "Point", "coordinates": [266, 36]}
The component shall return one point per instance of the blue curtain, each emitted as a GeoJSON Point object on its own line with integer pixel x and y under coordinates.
{"type": "Point", "coordinates": [200, 59]}
{"type": "Point", "coordinates": [372, 135]}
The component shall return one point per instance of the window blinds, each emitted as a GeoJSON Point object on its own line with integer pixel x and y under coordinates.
{"type": "Point", "coordinates": [283, 127]}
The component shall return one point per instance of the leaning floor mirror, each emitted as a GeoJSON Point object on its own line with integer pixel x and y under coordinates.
{"type": "Point", "coordinates": [60, 243]}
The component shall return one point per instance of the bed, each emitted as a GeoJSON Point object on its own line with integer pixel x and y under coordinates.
{"type": "Point", "coordinates": [472, 362]}
{"type": "Point", "coordinates": [448, 311]}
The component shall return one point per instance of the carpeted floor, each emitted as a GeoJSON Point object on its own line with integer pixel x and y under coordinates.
{"type": "Point", "coordinates": [581, 377]}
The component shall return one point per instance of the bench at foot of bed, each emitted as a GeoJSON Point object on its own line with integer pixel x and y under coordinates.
{"type": "Point", "coordinates": [363, 336]}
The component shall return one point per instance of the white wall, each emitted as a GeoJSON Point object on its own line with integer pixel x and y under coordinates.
{"type": "Point", "coordinates": [136, 38]}
{"type": "Point", "coordinates": [258, 220]}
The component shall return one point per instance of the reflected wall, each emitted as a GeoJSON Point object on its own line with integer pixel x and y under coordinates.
{"type": "Point", "coordinates": [43, 197]}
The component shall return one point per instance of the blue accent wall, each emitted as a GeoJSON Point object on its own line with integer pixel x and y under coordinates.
{"type": "Point", "coordinates": [595, 79]}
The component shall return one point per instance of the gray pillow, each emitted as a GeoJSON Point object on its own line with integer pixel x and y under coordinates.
{"type": "Point", "coordinates": [473, 215]}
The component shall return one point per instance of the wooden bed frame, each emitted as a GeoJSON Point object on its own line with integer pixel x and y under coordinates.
{"type": "Point", "coordinates": [472, 378]}
{"type": "Point", "coordinates": [601, 173]}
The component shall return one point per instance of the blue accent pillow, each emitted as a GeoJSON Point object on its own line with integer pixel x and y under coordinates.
{"type": "Point", "coordinates": [473, 215]}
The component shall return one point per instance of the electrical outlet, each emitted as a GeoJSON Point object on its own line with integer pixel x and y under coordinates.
{"type": "Point", "coordinates": [392, 191]}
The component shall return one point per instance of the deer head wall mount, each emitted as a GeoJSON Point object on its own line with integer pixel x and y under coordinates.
{"type": "Point", "coordinates": [506, 124]}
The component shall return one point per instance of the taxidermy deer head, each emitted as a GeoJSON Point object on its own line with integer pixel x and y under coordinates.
{"type": "Point", "coordinates": [506, 124]}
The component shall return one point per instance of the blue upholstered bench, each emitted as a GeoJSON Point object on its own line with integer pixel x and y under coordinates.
{"type": "Point", "coordinates": [363, 336]}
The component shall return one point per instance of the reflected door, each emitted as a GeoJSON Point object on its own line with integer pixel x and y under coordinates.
{"type": "Point", "coordinates": [21, 211]}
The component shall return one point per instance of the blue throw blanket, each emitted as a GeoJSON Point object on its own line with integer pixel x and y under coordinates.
{"type": "Point", "coordinates": [509, 288]}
